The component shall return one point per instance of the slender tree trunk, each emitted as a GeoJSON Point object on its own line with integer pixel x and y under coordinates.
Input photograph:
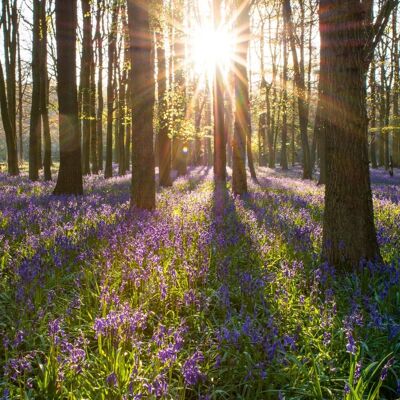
{"type": "Point", "coordinates": [35, 123]}
{"type": "Point", "coordinates": [372, 85]}
{"type": "Point", "coordinates": [110, 89]}
{"type": "Point", "coordinates": [164, 142]}
{"type": "Point", "coordinates": [20, 103]}
{"type": "Point", "coordinates": [396, 91]}
{"type": "Point", "coordinates": [100, 101]}
{"type": "Point", "coordinates": [142, 76]}
{"type": "Point", "coordinates": [44, 93]}
{"type": "Point", "coordinates": [300, 86]}
{"type": "Point", "coordinates": [85, 85]}
{"type": "Point", "coordinates": [70, 174]}
{"type": "Point", "coordinates": [284, 162]}
{"type": "Point", "coordinates": [92, 106]}
{"type": "Point", "coordinates": [219, 118]}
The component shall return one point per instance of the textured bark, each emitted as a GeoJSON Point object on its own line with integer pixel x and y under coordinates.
{"type": "Point", "coordinates": [35, 123]}
{"type": "Point", "coordinates": [142, 77]}
{"type": "Point", "coordinates": [219, 113]}
{"type": "Point", "coordinates": [348, 229]}
{"type": "Point", "coordinates": [69, 179]}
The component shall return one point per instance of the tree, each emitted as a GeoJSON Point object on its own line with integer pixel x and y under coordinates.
{"type": "Point", "coordinates": [164, 142]}
{"type": "Point", "coordinates": [143, 88]}
{"type": "Point", "coordinates": [86, 85]}
{"type": "Point", "coordinates": [301, 91]}
{"type": "Point", "coordinates": [9, 21]}
{"type": "Point", "coordinates": [112, 41]}
{"type": "Point", "coordinates": [349, 40]}
{"type": "Point", "coordinates": [242, 109]}
{"type": "Point", "coordinates": [219, 121]}
{"type": "Point", "coordinates": [35, 124]}
{"type": "Point", "coordinates": [69, 179]}
{"type": "Point", "coordinates": [100, 101]}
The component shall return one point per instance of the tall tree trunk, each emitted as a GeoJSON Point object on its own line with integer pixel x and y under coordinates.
{"type": "Point", "coordinates": [35, 123]}
{"type": "Point", "coordinates": [85, 85]}
{"type": "Point", "coordinates": [348, 230]}
{"type": "Point", "coordinates": [100, 101]}
{"type": "Point", "coordinates": [372, 85]}
{"type": "Point", "coordinates": [396, 91]}
{"type": "Point", "coordinates": [164, 142]}
{"type": "Point", "coordinates": [142, 76]}
{"type": "Point", "coordinates": [92, 107]}
{"type": "Point", "coordinates": [44, 93]}
{"type": "Point", "coordinates": [242, 109]}
{"type": "Point", "coordinates": [112, 39]}
{"type": "Point", "coordinates": [69, 179]}
{"type": "Point", "coordinates": [219, 117]}
{"type": "Point", "coordinates": [300, 87]}
{"type": "Point", "coordinates": [284, 162]}
{"type": "Point", "coordinates": [20, 103]}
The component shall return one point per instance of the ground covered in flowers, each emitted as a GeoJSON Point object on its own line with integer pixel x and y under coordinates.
{"type": "Point", "coordinates": [210, 297]}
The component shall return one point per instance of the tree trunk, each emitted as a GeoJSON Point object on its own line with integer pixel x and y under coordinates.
{"type": "Point", "coordinates": [44, 93]}
{"type": "Point", "coordinates": [284, 162]}
{"type": "Point", "coordinates": [69, 179]}
{"type": "Point", "coordinates": [348, 230]}
{"type": "Point", "coordinates": [373, 116]}
{"type": "Point", "coordinates": [164, 142]}
{"type": "Point", "coordinates": [35, 123]}
{"type": "Point", "coordinates": [396, 91]}
{"type": "Point", "coordinates": [85, 85]}
{"type": "Point", "coordinates": [100, 101]}
{"type": "Point", "coordinates": [242, 109]}
{"type": "Point", "coordinates": [300, 86]}
{"type": "Point", "coordinates": [142, 77]}
{"type": "Point", "coordinates": [111, 90]}
{"type": "Point", "coordinates": [219, 117]}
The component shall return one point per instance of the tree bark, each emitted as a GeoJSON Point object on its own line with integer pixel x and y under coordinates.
{"type": "Point", "coordinates": [348, 230]}
{"type": "Point", "coordinates": [69, 179]}
{"type": "Point", "coordinates": [142, 78]}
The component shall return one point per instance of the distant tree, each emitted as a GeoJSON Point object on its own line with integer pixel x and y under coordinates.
{"type": "Point", "coordinates": [69, 179]}
{"type": "Point", "coordinates": [164, 141]}
{"type": "Point", "coordinates": [301, 90]}
{"type": "Point", "coordinates": [143, 92]}
{"type": "Point", "coordinates": [349, 39]}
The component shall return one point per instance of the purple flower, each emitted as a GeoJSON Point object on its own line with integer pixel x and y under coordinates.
{"type": "Point", "coordinates": [386, 368]}
{"type": "Point", "coordinates": [112, 380]}
{"type": "Point", "coordinates": [190, 369]}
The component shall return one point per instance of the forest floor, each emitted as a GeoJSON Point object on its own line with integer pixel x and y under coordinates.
{"type": "Point", "coordinates": [209, 297]}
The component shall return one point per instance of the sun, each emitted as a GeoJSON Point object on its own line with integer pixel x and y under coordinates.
{"type": "Point", "coordinates": [210, 48]}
